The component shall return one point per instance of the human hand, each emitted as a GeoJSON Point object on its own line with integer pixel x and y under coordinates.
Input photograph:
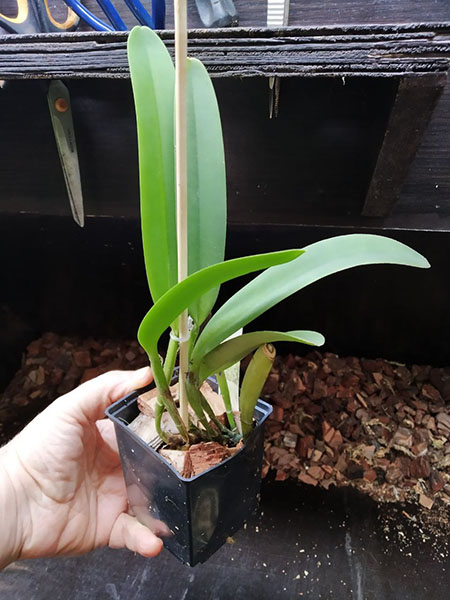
{"type": "Point", "coordinates": [62, 490]}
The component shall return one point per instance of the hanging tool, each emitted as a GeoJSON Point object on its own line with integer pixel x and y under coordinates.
{"type": "Point", "coordinates": [217, 13]}
{"type": "Point", "coordinates": [277, 16]}
{"type": "Point", "coordinates": [61, 116]}
{"type": "Point", "coordinates": [34, 16]}
{"type": "Point", "coordinates": [156, 20]}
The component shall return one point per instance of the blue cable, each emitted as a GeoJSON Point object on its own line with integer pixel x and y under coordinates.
{"type": "Point", "coordinates": [159, 13]}
{"type": "Point", "coordinates": [87, 16]}
{"type": "Point", "coordinates": [114, 18]}
{"type": "Point", "coordinates": [155, 21]}
{"type": "Point", "coordinates": [140, 13]}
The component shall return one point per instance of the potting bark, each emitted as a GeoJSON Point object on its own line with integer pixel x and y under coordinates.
{"type": "Point", "coordinates": [376, 425]}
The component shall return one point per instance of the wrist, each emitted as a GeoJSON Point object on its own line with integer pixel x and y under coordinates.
{"type": "Point", "coordinates": [11, 517]}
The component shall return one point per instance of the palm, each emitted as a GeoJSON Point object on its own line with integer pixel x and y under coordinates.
{"type": "Point", "coordinates": [71, 469]}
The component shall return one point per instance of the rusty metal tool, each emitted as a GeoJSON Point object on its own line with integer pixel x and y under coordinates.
{"type": "Point", "coordinates": [61, 116]}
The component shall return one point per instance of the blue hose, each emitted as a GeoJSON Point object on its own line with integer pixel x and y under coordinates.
{"type": "Point", "coordinates": [140, 13]}
{"type": "Point", "coordinates": [87, 16]}
{"type": "Point", "coordinates": [155, 21]}
{"type": "Point", "coordinates": [112, 14]}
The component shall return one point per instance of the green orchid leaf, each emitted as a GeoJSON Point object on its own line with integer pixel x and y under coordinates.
{"type": "Point", "coordinates": [252, 384]}
{"type": "Point", "coordinates": [207, 199]}
{"type": "Point", "coordinates": [153, 80]}
{"type": "Point", "coordinates": [184, 293]}
{"type": "Point", "coordinates": [319, 260]}
{"type": "Point", "coordinates": [229, 353]}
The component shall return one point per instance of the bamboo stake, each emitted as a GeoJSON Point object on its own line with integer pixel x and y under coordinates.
{"type": "Point", "coordinates": [181, 179]}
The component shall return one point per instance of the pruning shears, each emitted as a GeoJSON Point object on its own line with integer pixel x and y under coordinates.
{"type": "Point", "coordinates": [34, 16]}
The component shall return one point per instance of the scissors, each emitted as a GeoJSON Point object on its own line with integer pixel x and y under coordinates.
{"type": "Point", "coordinates": [156, 20]}
{"type": "Point", "coordinates": [34, 16]}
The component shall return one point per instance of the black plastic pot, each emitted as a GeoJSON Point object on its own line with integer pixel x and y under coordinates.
{"type": "Point", "coordinates": [193, 516]}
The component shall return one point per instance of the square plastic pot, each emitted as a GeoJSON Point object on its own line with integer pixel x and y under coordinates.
{"type": "Point", "coordinates": [193, 516]}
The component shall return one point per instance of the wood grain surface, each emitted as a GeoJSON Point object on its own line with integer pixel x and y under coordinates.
{"type": "Point", "coordinates": [239, 52]}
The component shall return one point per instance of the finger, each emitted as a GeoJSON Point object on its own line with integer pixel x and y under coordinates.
{"type": "Point", "coordinates": [127, 532]}
{"type": "Point", "coordinates": [93, 397]}
{"type": "Point", "coordinates": [108, 434]}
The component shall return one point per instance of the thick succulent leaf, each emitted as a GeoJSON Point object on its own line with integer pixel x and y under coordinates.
{"type": "Point", "coordinates": [252, 384]}
{"type": "Point", "coordinates": [153, 80]}
{"type": "Point", "coordinates": [229, 353]}
{"type": "Point", "coordinates": [184, 293]}
{"type": "Point", "coordinates": [319, 260]}
{"type": "Point", "coordinates": [207, 200]}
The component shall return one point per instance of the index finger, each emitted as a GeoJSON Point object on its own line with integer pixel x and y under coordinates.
{"type": "Point", "coordinates": [92, 398]}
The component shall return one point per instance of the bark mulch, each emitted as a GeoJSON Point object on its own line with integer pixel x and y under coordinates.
{"type": "Point", "coordinates": [379, 426]}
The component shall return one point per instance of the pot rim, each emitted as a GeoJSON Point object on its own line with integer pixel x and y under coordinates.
{"type": "Point", "coordinates": [263, 407]}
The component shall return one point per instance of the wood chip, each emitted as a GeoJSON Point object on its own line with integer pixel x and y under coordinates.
{"type": "Point", "coordinates": [144, 427]}
{"type": "Point", "coordinates": [305, 478]}
{"type": "Point", "coordinates": [204, 456]}
{"type": "Point", "coordinates": [436, 481]}
{"type": "Point", "coordinates": [316, 473]}
{"type": "Point", "coordinates": [304, 444]}
{"type": "Point", "coordinates": [443, 423]}
{"type": "Point", "coordinates": [177, 458]}
{"type": "Point", "coordinates": [425, 501]}
{"type": "Point", "coordinates": [370, 475]}
{"type": "Point", "coordinates": [290, 439]}
{"type": "Point", "coordinates": [403, 437]}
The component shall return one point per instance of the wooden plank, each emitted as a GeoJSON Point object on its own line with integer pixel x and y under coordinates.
{"type": "Point", "coordinates": [381, 51]}
{"type": "Point", "coordinates": [410, 114]}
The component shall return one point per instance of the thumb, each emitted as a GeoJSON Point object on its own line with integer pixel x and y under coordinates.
{"type": "Point", "coordinates": [93, 397]}
{"type": "Point", "coordinates": [127, 532]}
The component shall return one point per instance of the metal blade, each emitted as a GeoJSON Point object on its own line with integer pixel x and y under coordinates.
{"type": "Point", "coordinates": [61, 116]}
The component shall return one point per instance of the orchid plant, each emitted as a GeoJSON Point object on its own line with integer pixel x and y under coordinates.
{"type": "Point", "coordinates": [284, 273]}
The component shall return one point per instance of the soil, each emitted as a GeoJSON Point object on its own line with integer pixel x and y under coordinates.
{"type": "Point", "coordinates": [378, 426]}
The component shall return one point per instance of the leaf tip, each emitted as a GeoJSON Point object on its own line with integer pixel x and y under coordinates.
{"type": "Point", "coordinates": [424, 264]}
{"type": "Point", "coordinates": [320, 339]}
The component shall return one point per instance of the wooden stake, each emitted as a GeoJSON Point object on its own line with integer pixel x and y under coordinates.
{"type": "Point", "coordinates": [181, 179]}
